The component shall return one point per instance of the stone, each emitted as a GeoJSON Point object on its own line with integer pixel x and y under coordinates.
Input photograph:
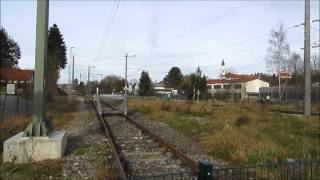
{"type": "Point", "coordinates": [19, 149]}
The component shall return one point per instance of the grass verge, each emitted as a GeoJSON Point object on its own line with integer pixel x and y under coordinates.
{"type": "Point", "coordinates": [238, 133]}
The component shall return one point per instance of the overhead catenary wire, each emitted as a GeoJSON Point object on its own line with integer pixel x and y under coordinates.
{"type": "Point", "coordinates": [204, 24]}
{"type": "Point", "coordinates": [215, 49]}
{"type": "Point", "coordinates": [108, 26]}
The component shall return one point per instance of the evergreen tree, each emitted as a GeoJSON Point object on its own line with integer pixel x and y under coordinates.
{"type": "Point", "coordinates": [174, 78]}
{"type": "Point", "coordinates": [145, 84]}
{"type": "Point", "coordinates": [57, 58]}
{"type": "Point", "coordinates": [9, 51]}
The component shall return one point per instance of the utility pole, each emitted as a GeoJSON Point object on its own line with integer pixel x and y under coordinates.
{"type": "Point", "coordinates": [125, 83]}
{"type": "Point", "coordinates": [307, 79]}
{"type": "Point", "coordinates": [69, 76]}
{"type": "Point", "coordinates": [72, 84]}
{"type": "Point", "coordinates": [89, 67]}
{"type": "Point", "coordinates": [40, 125]}
{"type": "Point", "coordinates": [100, 76]}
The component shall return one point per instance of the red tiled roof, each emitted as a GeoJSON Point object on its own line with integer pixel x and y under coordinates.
{"type": "Point", "coordinates": [15, 74]}
{"type": "Point", "coordinates": [240, 80]}
{"type": "Point", "coordinates": [237, 76]}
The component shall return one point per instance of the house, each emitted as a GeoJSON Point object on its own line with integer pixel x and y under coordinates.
{"type": "Point", "coordinates": [234, 86]}
{"type": "Point", "coordinates": [161, 90]}
{"type": "Point", "coordinates": [18, 78]}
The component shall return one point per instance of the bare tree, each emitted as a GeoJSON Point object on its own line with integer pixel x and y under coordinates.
{"type": "Point", "coordinates": [277, 57]}
{"type": "Point", "coordinates": [315, 62]}
{"type": "Point", "coordinates": [297, 68]}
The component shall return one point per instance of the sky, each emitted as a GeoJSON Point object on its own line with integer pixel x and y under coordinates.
{"type": "Point", "coordinates": [161, 34]}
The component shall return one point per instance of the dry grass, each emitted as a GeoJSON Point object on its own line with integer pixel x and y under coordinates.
{"type": "Point", "coordinates": [239, 133]}
{"type": "Point", "coordinates": [12, 126]}
{"type": "Point", "coordinates": [59, 110]}
{"type": "Point", "coordinates": [287, 107]}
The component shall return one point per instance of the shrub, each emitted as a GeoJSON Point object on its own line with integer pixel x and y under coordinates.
{"type": "Point", "coordinates": [241, 120]}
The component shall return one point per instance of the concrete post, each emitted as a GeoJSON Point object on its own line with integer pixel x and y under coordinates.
{"type": "Point", "coordinates": [40, 126]}
{"type": "Point", "coordinates": [307, 71]}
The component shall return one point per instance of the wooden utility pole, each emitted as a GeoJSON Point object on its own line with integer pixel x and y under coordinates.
{"type": "Point", "coordinates": [307, 79]}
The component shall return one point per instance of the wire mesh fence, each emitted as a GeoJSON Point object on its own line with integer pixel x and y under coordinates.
{"type": "Point", "coordinates": [13, 105]}
{"type": "Point", "coordinates": [293, 170]}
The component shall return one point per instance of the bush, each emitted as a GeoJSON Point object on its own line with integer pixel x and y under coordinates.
{"type": "Point", "coordinates": [241, 120]}
{"type": "Point", "coordinates": [165, 106]}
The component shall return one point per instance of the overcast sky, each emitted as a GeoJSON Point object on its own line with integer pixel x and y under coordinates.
{"type": "Point", "coordinates": [161, 34]}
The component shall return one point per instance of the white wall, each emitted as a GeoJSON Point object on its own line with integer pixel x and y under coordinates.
{"type": "Point", "coordinates": [254, 85]}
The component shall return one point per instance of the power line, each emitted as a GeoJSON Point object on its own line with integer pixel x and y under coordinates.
{"type": "Point", "coordinates": [204, 24]}
{"type": "Point", "coordinates": [215, 49]}
{"type": "Point", "coordinates": [108, 26]}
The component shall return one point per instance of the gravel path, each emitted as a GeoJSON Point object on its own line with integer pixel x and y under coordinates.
{"type": "Point", "coordinates": [87, 151]}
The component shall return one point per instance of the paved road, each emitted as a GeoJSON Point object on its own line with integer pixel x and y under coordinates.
{"type": "Point", "coordinates": [12, 106]}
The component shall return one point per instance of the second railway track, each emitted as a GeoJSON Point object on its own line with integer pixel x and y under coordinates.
{"type": "Point", "coordinates": [139, 152]}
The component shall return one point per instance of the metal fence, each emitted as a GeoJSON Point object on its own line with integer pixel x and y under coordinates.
{"type": "Point", "coordinates": [12, 105]}
{"type": "Point", "coordinates": [293, 170]}
{"type": "Point", "coordinates": [288, 170]}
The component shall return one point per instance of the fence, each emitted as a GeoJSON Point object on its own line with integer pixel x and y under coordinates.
{"type": "Point", "coordinates": [12, 105]}
{"type": "Point", "coordinates": [288, 170]}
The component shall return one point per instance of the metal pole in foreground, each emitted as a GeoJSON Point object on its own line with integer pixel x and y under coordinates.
{"type": "Point", "coordinates": [40, 126]}
{"type": "Point", "coordinates": [125, 108]}
{"type": "Point", "coordinates": [125, 87]}
{"type": "Point", "coordinates": [72, 83]}
{"type": "Point", "coordinates": [307, 79]}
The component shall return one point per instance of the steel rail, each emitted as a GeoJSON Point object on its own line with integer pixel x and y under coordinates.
{"type": "Point", "coordinates": [118, 165]}
{"type": "Point", "coordinates": [186, 160]}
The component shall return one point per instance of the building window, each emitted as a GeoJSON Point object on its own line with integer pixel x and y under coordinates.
{"type": "Point", "coordinates": [227, 86]}
{"type": "Point", "coordinates": [237, 86]}
{"type": "Point", "coordinates": [217, 86]}
{"type": "Point", "coordinates": [208, 87]}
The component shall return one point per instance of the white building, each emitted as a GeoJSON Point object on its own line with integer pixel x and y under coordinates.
{"type": "Point", "coordinates": [234, 86]}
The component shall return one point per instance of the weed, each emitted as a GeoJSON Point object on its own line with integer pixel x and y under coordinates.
{"type": "Point", "coordinates": [241, 120]}
{"type": "Point", "coordinates": [238, 132]}
{"type": "Point", "coordinates": [81, 150]}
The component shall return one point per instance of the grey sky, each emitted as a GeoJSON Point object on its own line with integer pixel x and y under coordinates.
{"type": "Point", "coordinates": [146, 28]}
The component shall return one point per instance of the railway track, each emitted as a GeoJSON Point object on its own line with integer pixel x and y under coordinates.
{"type": "Point", "coordinates": [138, 152]}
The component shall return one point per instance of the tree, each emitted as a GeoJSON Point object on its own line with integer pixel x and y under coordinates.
{"type": "Point", "coordinates": [194, 82]}
{"type": "Point", "coordinates": [92, 86]}
{"type": "Point", "coordinates": [278, 53]}
{"type": "Point", "coordinates": [81, 88]}
{"type": "Point", "coordinates": [75, 83]}
{"type": "Point", "coordinates": [315, 73]}
{"type": "Point", "coordinates": [56, 57]}
{"type": "Point", "coordinates": [145, 84]}
{"type": "Point", "coordinates": [174, 78]}
{"type": "Point", "coordinates": [112, 84]}
{"type": "Point", "coordinates": [57, 50]}
{"type": "Point", "coordinates": [10, 50]}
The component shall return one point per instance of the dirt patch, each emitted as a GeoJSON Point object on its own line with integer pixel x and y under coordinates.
{"type": "Point", "coordinates": [86, 156]}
